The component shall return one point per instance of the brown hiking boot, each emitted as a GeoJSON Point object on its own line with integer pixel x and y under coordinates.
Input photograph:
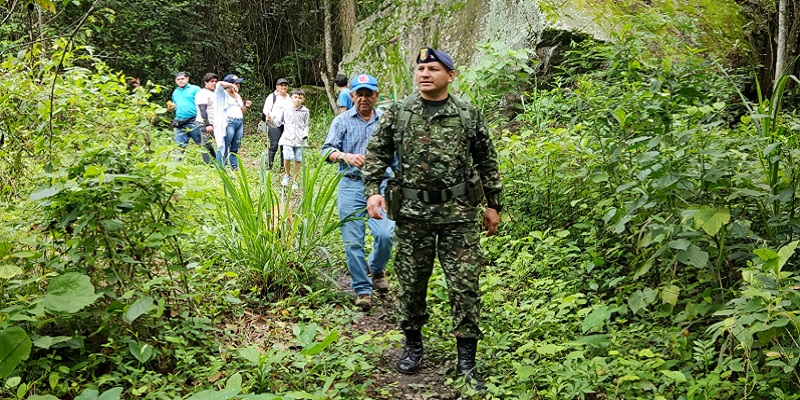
{"type": "Point", "coordinates": [379, 282]}
{"type": "Point", "coordinates": [364, 301]}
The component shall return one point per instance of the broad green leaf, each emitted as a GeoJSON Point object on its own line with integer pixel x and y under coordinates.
{"type": "Point", "coordinates": [676, 376]}
{"type": "Point", "coordinates": [362, 339]}
{"type": "Point", "coordinates": [620, 225]}
{"type": "Point", "coordinates": [596, 319]}
{"type": "Point", "coordinates": [549, 349]}
{"type": "Point", "coordinates": [670, 294]}
{"type": "Point", "coordinates": [679, 244]}
{"type": "Point", "coordinates": [140, 351]}
{"type": "Point", "coordinates": [646, 353]}
{"type": "Point", "coordinates": [8, 271]}
{"type": "Point", "coordinates": [640, 299]}
{"type": "Point", "coordinates": [643, 269]}
{"type": "Point", "coordinates": [44, 193]}
{"type": "Point", "coordinates": [53, 379]}
{"type": "Point", "coordinates": [69, 293]}
{"type": "Point", "coordinates": [600, 177]}
{"type": "Point", "coordinates": [786, 252]}
{"type": "Point", "coordinates": [524, 372]}
{"type": "Point", "coordinates": [139, 307]}
{"type": "Point", "coordinates": [629, 378]}
{"type": "Point", "coordinates": [13, 382]}
{"type": "Point", "coordinates": [45, 342]}
{"type": "Point", "coordinates": [43, 397]}
{"type": "Point", "coordinates": [765, 254]}
{"type": "Point", "coordinates": [251, 354]}
{"type": "Point", "coordinates": [15, 346]}
{"type": "Point", "coordinates": [693, 256]}
{"type": "Point", "coordinates": [88, 394]}
{"type": "Point", "coordinates": [234, 382]}
{"type": "Point", "coordinates": [317, 348]}
{"type": "Point", "coordinates": [711, 219]}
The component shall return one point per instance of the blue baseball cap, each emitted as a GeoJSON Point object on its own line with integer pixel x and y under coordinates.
{"type": "Point", "coordinates": [231, 78]}
{"type": "Point", "coordinates": [427, 54]}
{"type": "Point", "coordinates": [364, 81]}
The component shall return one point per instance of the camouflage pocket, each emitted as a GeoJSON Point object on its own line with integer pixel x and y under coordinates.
{"type": "Point", "coordinates": [393, 198]}
{"type": "Point", "coordinates": [474, 189]}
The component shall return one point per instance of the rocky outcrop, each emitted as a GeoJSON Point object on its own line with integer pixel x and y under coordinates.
{"type": "Point", "coordinates": [386, 43]}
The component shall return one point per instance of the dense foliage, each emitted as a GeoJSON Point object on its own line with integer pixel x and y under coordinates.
{"type": "Point", "coordinates": [647, 250]}
{"type": "Point", "coordinates": [660, 262]}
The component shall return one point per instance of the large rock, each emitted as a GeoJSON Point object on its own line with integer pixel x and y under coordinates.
{"type": "Point", "coordinates": [402, 27]}
{"type": "Point", "coordinates": [386, 43]}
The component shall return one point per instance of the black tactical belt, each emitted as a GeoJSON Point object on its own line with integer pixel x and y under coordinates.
{"type": "Point", "coordinates": [435, 196]}
{"type": "Point", "coordinates": [353, 177]}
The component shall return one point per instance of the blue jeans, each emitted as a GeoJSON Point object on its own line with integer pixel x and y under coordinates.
{"type": "Point", "coordinates": [352, 204]}
{"type": "Point", "coordinates": [233, 138]}
{"type": "Point", "coordinates": [183, 134]}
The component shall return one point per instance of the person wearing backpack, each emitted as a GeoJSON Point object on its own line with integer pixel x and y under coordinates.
{"type": "Point", "coordinates": [274, 105]}
{"type": "Point", "coordinates": [447, 168]}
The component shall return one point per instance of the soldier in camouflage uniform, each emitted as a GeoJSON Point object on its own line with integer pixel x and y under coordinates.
{"type": "Point", "coordinates": [443, 146]}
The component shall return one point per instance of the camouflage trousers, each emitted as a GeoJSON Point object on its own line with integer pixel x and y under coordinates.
{"type": "Point", "coordinates": [461, 258]}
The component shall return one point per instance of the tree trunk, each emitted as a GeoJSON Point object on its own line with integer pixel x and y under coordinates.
{"type": "Point", "coordinates": [347, 23]}
{"type": "Point", "coordinates": [328, 70]}
{"type": "Point", "coordinates": [329, 91]}
{"type": "Point", "coordinates": [793, 39]}
{"type": "Point", "coordinates": [780, 54]}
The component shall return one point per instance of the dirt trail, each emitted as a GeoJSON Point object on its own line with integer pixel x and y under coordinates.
{"type": "Point", "coordinates": [427, 384]}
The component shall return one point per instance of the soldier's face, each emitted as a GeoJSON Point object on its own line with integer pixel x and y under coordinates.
{"type": "Point", "coordinates": [364, 100]}
{"type": "Point", "coordinates": [433, 79]}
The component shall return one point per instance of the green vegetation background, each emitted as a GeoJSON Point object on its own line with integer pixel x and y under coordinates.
{"type": "Point", "coordinates": [647, 249]}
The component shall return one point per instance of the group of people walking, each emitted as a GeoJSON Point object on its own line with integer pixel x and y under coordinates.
{"type": "Point", "coordinates": [213, 117]}
{"type": "Point", "coordinates": [420, 172]}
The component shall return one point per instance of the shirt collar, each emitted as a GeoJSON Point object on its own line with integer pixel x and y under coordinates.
{"type": "Point", "coordinates": [353, 113]}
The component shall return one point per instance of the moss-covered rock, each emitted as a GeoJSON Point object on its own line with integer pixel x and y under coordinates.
{"type": "Point", "coordinates": [386, 43]}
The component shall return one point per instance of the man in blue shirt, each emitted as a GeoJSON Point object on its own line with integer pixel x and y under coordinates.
{"type": "Point", "coordinates": [344, 101]}
{"type": "Point", "coordinates": [184, 124]}
{"type": "Point", "coordinates": [346, 145]}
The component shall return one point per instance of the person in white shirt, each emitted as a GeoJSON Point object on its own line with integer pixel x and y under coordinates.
{"type": "Point", "coordinates": [274, 105]}
{"type": "Point", "coordinates": [229, 118]}
{"type": "Point", "coordinates": [204, 101]}
{"type": "Point", "coordinates": [295, 120]}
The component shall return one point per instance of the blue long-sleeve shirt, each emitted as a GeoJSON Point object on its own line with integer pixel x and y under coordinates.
{"type": "Point", "coordinates": [349, 133]}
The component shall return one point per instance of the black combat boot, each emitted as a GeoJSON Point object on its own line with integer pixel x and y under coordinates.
{"type": "Point", "coordinates": [466, 362]}
{"type": "Point", "coordinates": [411, 360]}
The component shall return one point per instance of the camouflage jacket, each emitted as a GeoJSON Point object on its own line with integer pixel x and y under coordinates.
{"type": "Point", "coordinates": [434, 157]}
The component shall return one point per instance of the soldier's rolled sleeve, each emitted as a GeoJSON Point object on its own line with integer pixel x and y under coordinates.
{"type": "Point", "coordinates": [484, 159]}
{"type": "Point", "coordinates": [380, 153]}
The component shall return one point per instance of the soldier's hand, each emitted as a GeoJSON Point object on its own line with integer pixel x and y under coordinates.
{"type": "Point", "coordinates": [355, 159]}
{"type": "Point", "coordinates": [376, 204]}
{"type": "Point", "coordinates": [209, 128]}
{"type": "Point", "coordinates": [490, 221]}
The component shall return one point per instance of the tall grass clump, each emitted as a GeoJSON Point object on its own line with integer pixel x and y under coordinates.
{"type": "Point", "coordinates": [279, 242]}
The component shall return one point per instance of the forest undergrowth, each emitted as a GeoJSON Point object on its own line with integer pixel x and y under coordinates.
{"type": "Point", "coordinates": [647, 250]}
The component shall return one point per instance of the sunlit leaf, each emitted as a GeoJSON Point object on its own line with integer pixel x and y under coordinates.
{"type": "Point", "coordinates": [69, 293]}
